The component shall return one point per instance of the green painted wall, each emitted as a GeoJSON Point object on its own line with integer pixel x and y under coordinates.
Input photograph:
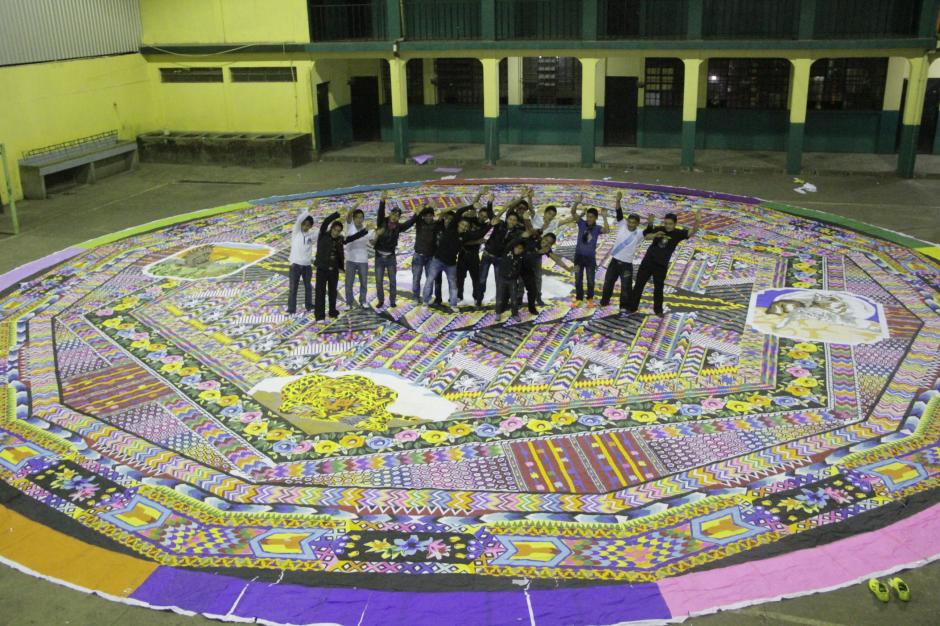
{"type": "Point", "coordinates": [341, 125]}
{"type": "Point", "coordinates": [739, 129]}
{"type": "Point", "coordinates": [659, 127]}
{"type": "Point", "coordinates": [843, 131]}
{"type": "Point", "coordinates": [464, 124]}
{"type": "Point", "coordinates": [888, 124]}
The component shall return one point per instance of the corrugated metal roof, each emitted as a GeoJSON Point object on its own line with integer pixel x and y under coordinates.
{"type": "Point", "coordinates": [32, 31]}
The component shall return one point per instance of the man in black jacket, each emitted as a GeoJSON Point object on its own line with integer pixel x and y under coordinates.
{"type": "Point", "coordinates": [514, 267]}
{"type": "Point", "coordinates": [495, 246]}
{"type": "Point", "coordinates": [452, 238]}
{"type": "Point", "coordinates": [427, 231]}
{"type": "Point", "coordinates": [468, 259]}
{"type": "Point", "coordinates": [329, 259]}
{"type": "Point", "coordinates": [386, 249]}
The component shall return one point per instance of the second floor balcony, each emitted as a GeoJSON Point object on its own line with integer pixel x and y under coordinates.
{"type": "Point", "coordinates": [606, 20]}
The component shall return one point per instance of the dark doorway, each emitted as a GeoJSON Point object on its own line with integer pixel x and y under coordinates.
{"type": "Point", "coordinates": [620, 111]}
{"type": "Point", "coordinates": [324, 128]}
{"type": "Point", "coordinates": [928, 123]}
{"type": "Point", "coordinates": [364, 92]}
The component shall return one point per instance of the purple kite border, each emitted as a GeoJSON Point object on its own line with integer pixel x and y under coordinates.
{"type": "Point", "coordinates": [23, 272]}
{"type": "Point", "coordinates": [911, 542]}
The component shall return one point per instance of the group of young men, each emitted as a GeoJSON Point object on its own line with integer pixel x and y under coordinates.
{"type": "Point", "coordinates": [471, 240]}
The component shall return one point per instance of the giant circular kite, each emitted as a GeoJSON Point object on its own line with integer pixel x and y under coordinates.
{"type": "Point", "coordinates": [169, 436]}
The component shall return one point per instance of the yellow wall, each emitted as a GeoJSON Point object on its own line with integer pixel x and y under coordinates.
{"type": "Point", "coordinates": [223, 21]}
{"type": "Point", "coordinates": [335, 72]}
{"type": "Point", "coordinates": [229, 107]}
{"type": "Point", "coordinates": [48, 103]}
{"type": "Point", "coordinates": [934, 69]}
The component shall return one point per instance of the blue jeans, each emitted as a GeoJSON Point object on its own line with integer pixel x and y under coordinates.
{"type": "Point", "coordinates": [487, 261]}
{"type": "Point", "coordinates": [386, 264]}
{"type": "Point", "coordinates": [438, 268]}
{"type": "Point", "coordinates": [587, 268]}
{"type": "Point", "coordinates": [298, 273]}
{"type": "Point", "coordinates": [362, 271]}
{"type": "Point", "coordinates": [421, 264]}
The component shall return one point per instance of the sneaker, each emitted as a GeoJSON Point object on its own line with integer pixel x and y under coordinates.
{"type": "Point", "coordinates": [334, 313]}
{"type": "Point", "coordinates": [478, 303]}
{"type": "Point", "coordinates": [658, 313]}
{"type": "Point", "coordinates": [576, 303]}
{"type": "Point", "coordinates": [591, 305]}
{"type": "Point", "coordinates": [533, 310]}
{"type": "Point", "coordinates": [539, 302]}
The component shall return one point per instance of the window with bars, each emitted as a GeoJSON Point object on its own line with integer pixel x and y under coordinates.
{"type": "Point", "coordinates": [191, 74]}
{"type": "Point", "coordinates": [264, 74]}
{"type": "Point", "coordinates": [847, 84]}
{"type": "Point", "coordinates": [664, 82]}
{"type": "Point", "coordinates": [414, 76]}
{"type": "Point", "coordinates": [748, 83]}
{"type": "Point", "coordinates": [459, 81]}
{"type": "Point", "coordinates": [551, 81]}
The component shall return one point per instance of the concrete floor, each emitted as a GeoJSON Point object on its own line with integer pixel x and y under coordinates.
{"type": "Point", "coordinates": [157, 191]}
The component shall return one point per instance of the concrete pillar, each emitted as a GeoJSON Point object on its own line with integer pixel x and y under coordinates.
{"type": "Point", "coordinates": [600, 96]}
{"type": "Point", "coordinates": [690, 110]}
{"type": "Point", "coordinates": [891, 106]}
{"type": "Point", "coordinates": [490, 110]}
{"type": "Point", "coordinates": [514, 98]}
{"type": "Point", "coordinates": [399, 89]}
{"type": "Point", "coordinates": [430, 82]}
{"type": "Point", "coordinates": [910, 120]}
{"type": "Point", "coordinates": [641, 104]}
{"type": "Point", "coordinates": [588, 109]}
{"type": "Point", "coordinates": [799, 97]}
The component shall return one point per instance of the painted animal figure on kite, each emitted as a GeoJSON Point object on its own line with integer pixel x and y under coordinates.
{"type": "Point", "coordinates": [353, 400]}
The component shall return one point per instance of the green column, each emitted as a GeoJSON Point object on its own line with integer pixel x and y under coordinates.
{"type": "Point", "coordinates": [490, 110]}
{"type": "Point", "coordinates": [799, 94]}
{"type": "Point", "coordinates": [913, 110]}
{"type": "Point", "coordinates": [589, 20]}
{"type": "Point", "coordinates": [807, 19]}
{"type": "Point", "coordinates": [695, 18]}
{"type": "Point", "coordinates": [690, 110]}
{"type": "Point", "coordinates": [890, 118]}
{"type": "Point", "coordinates": [588, 109]}
{"type": "Point", "coordinates": [399, 89]}
{"type": "Point", "coordinates": [393, 19]}
{"type": "Point", "coordinates": [488, 19]}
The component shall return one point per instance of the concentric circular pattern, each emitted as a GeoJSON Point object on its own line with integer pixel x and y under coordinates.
{"type": "Point", "coordinates": [160, 396]}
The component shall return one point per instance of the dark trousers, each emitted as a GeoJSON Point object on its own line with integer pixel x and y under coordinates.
{"type": "Point", "coordinates": [586, 268]}
{"type": "Point", "coordinates": [468, 262]}
{"type": "Point", "coordinates": [386, 264]}
{"type": "Point", "coordinates": [486, 263]}
{"type": "Point", "coordinates": [509, 293]}
{"type": "Point", "coordinates": [624, 272]}
{"type": "Point", "coordinates": [327, 278]}
{"type": "Point", "coordinates": [658, 274]}
{"type": "Point", "coordinates": [298, 272]}
{"type": "Point", "coordinates": [421, 266]}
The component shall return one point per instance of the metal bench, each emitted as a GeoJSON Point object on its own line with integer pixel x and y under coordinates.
{"type": "Point", "coordinates": [80, 155]}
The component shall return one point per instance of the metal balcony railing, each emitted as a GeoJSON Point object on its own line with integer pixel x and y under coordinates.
{"type": "Point", "coordinates": [353, 21]}
{"type": "Point", "coordinates": [751, 19]}
{"type": "Point", "coordinates": [538, 19]}
{"type": "Point", "coordinates": [642, 19]}
{"type": "Point", "coordinates": [848, 19]}
{"type": "Point", "coordinates": [442, 20]}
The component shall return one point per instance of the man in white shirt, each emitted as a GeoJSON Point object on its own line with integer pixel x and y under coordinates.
{"type": "Point", "coordinates": [301, 256]}
{"type": "Point", "coordinates": [621, 257]}
{"type": "Point", "coordinates": [357, 257]}
{"type": "Point", "coordinates": [546, 223]}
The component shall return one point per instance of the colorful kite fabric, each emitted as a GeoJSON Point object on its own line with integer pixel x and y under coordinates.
{"type": "Point", "coordinates": [163, 408]}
